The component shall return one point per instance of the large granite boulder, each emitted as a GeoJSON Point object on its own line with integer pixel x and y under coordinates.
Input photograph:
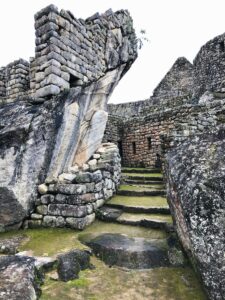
{"type": "Point", "coordinates": [196, 192]}
{"type": "Point", "coordinates": [43, 138]}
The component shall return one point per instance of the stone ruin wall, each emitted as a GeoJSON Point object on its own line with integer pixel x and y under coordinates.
{"type": "Point", "coordinates": [77, 65]}
{"type": "Point", "coordinates": [69, 52]}
{"type": "Point", "coordinates": [178, 108]}
{"type": "Point", "coordinates": [14, 80]}
{"type": "Point", "coordinates": [157, 132]}
{"type": "Point", "coordinates": [209, 71]}
{"type": "Point", "coordinates": [178, 82]}
{"type": "Point", "coordinates": [73, 200]}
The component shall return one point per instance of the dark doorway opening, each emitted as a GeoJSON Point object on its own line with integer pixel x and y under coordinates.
{"type": "Point", "coordinates": [134, 147]}
{"type": "Point", "coordinates": [73, 81]}
{"type": "Point", "coordinates": [158, 162]}
{"type": "Point", "coordinates": [149, 142]}
{"type": "Point", "coordinates": [120, 147]}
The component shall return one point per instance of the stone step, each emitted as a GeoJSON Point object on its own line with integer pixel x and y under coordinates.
{"type": "Point", "coordinates": [146, 220]}
{"type": "Point", "coordinates": [141, 170]}
{"type": "Point", "coordinates": [109, 214]}
{"type": "Point", "coordinates": [140, 186]}
{"type": "Point", "coordinates": [143, 177]}
{"type": "Point", "coordinates": [154, 204]}
{"type": "Point", "coordinates": [132, 190]}
{"type": "Point", "coordinates": [140, 182]}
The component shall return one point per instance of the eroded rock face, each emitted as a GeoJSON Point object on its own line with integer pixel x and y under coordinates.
{"type": "Point", "coordinates": [196, 185]}
{"type": "Point", "coordinates": [18, 278]}
{"type": "Point", "coordinates": [42, 138]}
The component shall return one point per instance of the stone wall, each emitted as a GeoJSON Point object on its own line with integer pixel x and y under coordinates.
{"type": "Point", "coordinates": [14, 80]}
{"type": "Point", "coordinates": [73, 200]}
{"type": "Point", "coordinates": [209, 72]}
{"type": "Point", "coordinates": [17, 76]}
{"type": "Point", "coordinates": [177, 82]}
{"type": "Point", "coordinates": [2, 82]}
{"type": "Point", "coordinates": [143, 140]}
{"type": "Point", "coordinates": [70, 52]}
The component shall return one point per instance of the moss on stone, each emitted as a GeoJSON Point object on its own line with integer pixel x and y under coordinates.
{"type": "Point", "coordinates": [150, 201]}
{"type": "Point", "coordinates": [51, 241]}
{"type": "Point", "coordinates": [144, 174]}
{"type": "Point", "coordinates": [138, 188]}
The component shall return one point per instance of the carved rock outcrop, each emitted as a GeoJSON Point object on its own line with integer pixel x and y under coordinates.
{"type": "Point", "coordinates": [42, 138]}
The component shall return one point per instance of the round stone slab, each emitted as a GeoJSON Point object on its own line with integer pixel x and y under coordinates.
{"type": "Point", "coordinates": [131, 253]}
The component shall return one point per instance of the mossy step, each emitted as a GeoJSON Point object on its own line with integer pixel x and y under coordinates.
{"type": "Point", "coordinates": [146, 220]}
{"type": "Point", "coordinates": [139, 187]}
{"type": "Point", "coordinates": [140, 182]}
{"type": "Point", "coordinates": [134, 190]}
{"type": "Point", "coordinates": [143, 177]}
{"type": "Point", "coordinates": [154, 204]}
{"type": "Point", "coordinates": [141, 170]}
{"type": "Point", "coordinates": [115, 215]}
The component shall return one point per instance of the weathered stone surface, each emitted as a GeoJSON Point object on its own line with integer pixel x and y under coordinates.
{"type": "Point", "coordinates": [10, 245]}
{"type": "Point", "coordinates": [70, 264]}
{"type": "Point", "coordinates": [80, 223]}
{"type": "Point", "coordinates": [11, 211]}
{"type": "Point", "coordinates": [46, 133]}
{"type": "Point", "coordinates": [132, 253]}
{"type": "Point", "coordinates": [196, 173]}
{"type": "Point", "coordinates": [19, 278]}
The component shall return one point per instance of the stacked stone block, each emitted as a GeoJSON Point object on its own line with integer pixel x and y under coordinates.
{"type": "Point", "coordinates": [209, 71]}
{"type": "Point", "coordinates": [2, 82]}
{"type": "Point", "coordinates": [161, 128]}
{"type": "Point", "coordinates": [74, 198]}
{"type": "Point", "coordinates": [17, 75]}
{"type": "Point", "coordinates": [71, 52]}
{"type": "Point", "coordinates": [177, 82]}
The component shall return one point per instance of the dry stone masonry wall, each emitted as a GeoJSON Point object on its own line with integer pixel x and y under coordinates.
{"type": "Point", "coordinates": [70, 52]}
{"type": "Point", "coordinates": [73, 200]}
{"type": "Point", "coordinates": [186, 102]}
{"type": "Point", "coordinates": [209, 72]}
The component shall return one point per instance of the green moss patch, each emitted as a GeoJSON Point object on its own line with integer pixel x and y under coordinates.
{"type": "Point", "coordinates": [151, 201]}
{"type": "Point", "coordinates": [48, 241]}
{"type": "Point", "coordinates": [126, 187]}
{"type": "Point", "coordinates": [143, 175]}
{"type": "Point", "coordinates": [115, 283]}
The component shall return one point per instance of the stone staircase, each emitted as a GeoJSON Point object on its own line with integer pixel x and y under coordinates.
{"type": "Point", "coordinates": [140, 201]}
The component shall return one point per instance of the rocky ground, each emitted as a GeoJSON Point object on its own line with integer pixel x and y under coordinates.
{"type": "Point", "coordinates": [141, 224]}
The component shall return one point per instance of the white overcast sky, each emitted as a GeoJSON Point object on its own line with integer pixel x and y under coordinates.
{"type": "Point", "coordinates": [174, 27]}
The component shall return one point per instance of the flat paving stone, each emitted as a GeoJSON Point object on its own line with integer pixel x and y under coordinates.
{"type": "Point", "coordinates": [131, 253]}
